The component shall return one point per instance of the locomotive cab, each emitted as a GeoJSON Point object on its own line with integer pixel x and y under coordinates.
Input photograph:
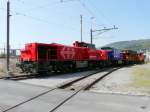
{"type": "Point", "coordinates": [83, 44]}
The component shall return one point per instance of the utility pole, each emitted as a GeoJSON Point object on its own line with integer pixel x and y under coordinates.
{"type": "Point", "coordinates": [101, 31]}
{"type": "Point", "coordinates": [8, 31]}
{"type": "Point", "coordinates": [4, 51]}
{"type": "Point", "coordinates": [81, 28]}
{"type": "Point", "coordinates": [91, 32]}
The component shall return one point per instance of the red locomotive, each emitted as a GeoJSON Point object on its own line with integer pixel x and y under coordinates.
{"type": "Point", "coordinates": [132, 57]}
{"type": "Point", "coordinates": [39, 57]}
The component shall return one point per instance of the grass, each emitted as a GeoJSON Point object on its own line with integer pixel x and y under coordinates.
{"type": "Point", "coordinates": [141, 76]}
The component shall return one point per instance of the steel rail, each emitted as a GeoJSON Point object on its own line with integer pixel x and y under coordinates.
{"type": "Point", "coordinates": [60, 86]}
{"type": "Point", "coordinates": [20, 77]}
{"type": "Point", "coordinates": [65, 86]}
{"type": "Point", "coordinates": [41, 94]}
{"type": "Point", "coordinates": [100, 78]}
{"type": "Point", "coordinates": [24, 77]}
{"type": "Point", "coordinates": [81, 78]}
{"type": "Point", "coordinates": [83, 88]}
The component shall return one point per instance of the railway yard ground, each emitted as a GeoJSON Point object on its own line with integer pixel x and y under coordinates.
{"type": "Point", "coordinates": [20, 97]}
{"type": "Point", "coordinates": [134, 80]}
{"type": "Point", "coordinates": [127, 80]}
{"type": "Point", "coordinates": [113, 89]}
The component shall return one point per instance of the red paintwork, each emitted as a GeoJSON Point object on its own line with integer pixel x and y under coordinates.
{"type": "Point", "coordinates": [64, 53]}
{"type": "Point", "coordinates": [141, 57]}
{"type": "Point", "coordinates": [132, 57]}
{"type": "Point", "coordinates": [94, 54]}
{"type": "Point", "coordinates": [104, 55]}
{"type": "Point", "coordinates": [29, 53]}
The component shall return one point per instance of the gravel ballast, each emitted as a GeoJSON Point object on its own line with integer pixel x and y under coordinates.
{"type": "Point", "coordinates": [124, 81]}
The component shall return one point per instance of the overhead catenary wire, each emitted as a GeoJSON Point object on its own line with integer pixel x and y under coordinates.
{"type": "Point", "coordinates": [86, 8]}
{"type": "Point", "coordinates": [48, 4]}
{"type": "Point", "coordinates": [96, 36]}
{"type": "Point", "coordinates": [102, 14]}
{"type": "Point", "coordinates": [62, 1]}
{"type": "Point", "coordinates": [48, 22]}
{"type": "Point", "coordinates": [43, 20]}
{"type": "Point", "coordinates": [68, 0]}
{"type": "Point", "coordinates": [37, 7]}
{"type": "Point", "coordinates": [91, 13]}
{"type": "Point", "coordinates": [20, 1]}
{"type": "Point", "coordinates": [37, 19]}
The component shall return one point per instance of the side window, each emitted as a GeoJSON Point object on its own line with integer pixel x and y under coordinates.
{"type": "Point", "coordinates": [42, 52]}
{"type": "Point", "coordinates": [52, 53]}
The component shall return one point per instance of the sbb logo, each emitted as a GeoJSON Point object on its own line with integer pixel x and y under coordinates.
{"type": "Point", "coordinates": [67, 53]}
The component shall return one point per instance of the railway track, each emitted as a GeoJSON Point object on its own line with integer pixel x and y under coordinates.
{"type": "Point", "coordinates": [88, 81]}
{"type": "Point", "coordinates": [19, 77]}
{"type": "Point", "coordinates": [73, 85]}
{"type": "Point", "coordinates": [31, 76]}
{"type": "Point", "coordinates": [83, 87]}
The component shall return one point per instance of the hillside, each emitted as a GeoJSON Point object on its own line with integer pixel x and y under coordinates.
{"type": "Point", "coordinates": [133, 44]}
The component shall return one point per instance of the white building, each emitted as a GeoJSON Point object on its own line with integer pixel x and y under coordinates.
{"type": "Point", "coordinates": [147, 54]}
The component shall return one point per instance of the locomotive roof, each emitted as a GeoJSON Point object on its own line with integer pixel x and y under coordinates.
{"type": "Point", "coordinates": [108, 48]}
{"type": "Point", "coordinates": [129, 51]}
{"type": "Point", "coordinates": [46, 44]}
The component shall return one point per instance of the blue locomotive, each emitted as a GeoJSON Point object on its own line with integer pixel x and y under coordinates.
{"type": "Point", "coordinates": [114, 55]}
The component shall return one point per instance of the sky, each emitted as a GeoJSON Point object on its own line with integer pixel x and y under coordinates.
{"type": "Point", "coordinates": [48, 21]}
